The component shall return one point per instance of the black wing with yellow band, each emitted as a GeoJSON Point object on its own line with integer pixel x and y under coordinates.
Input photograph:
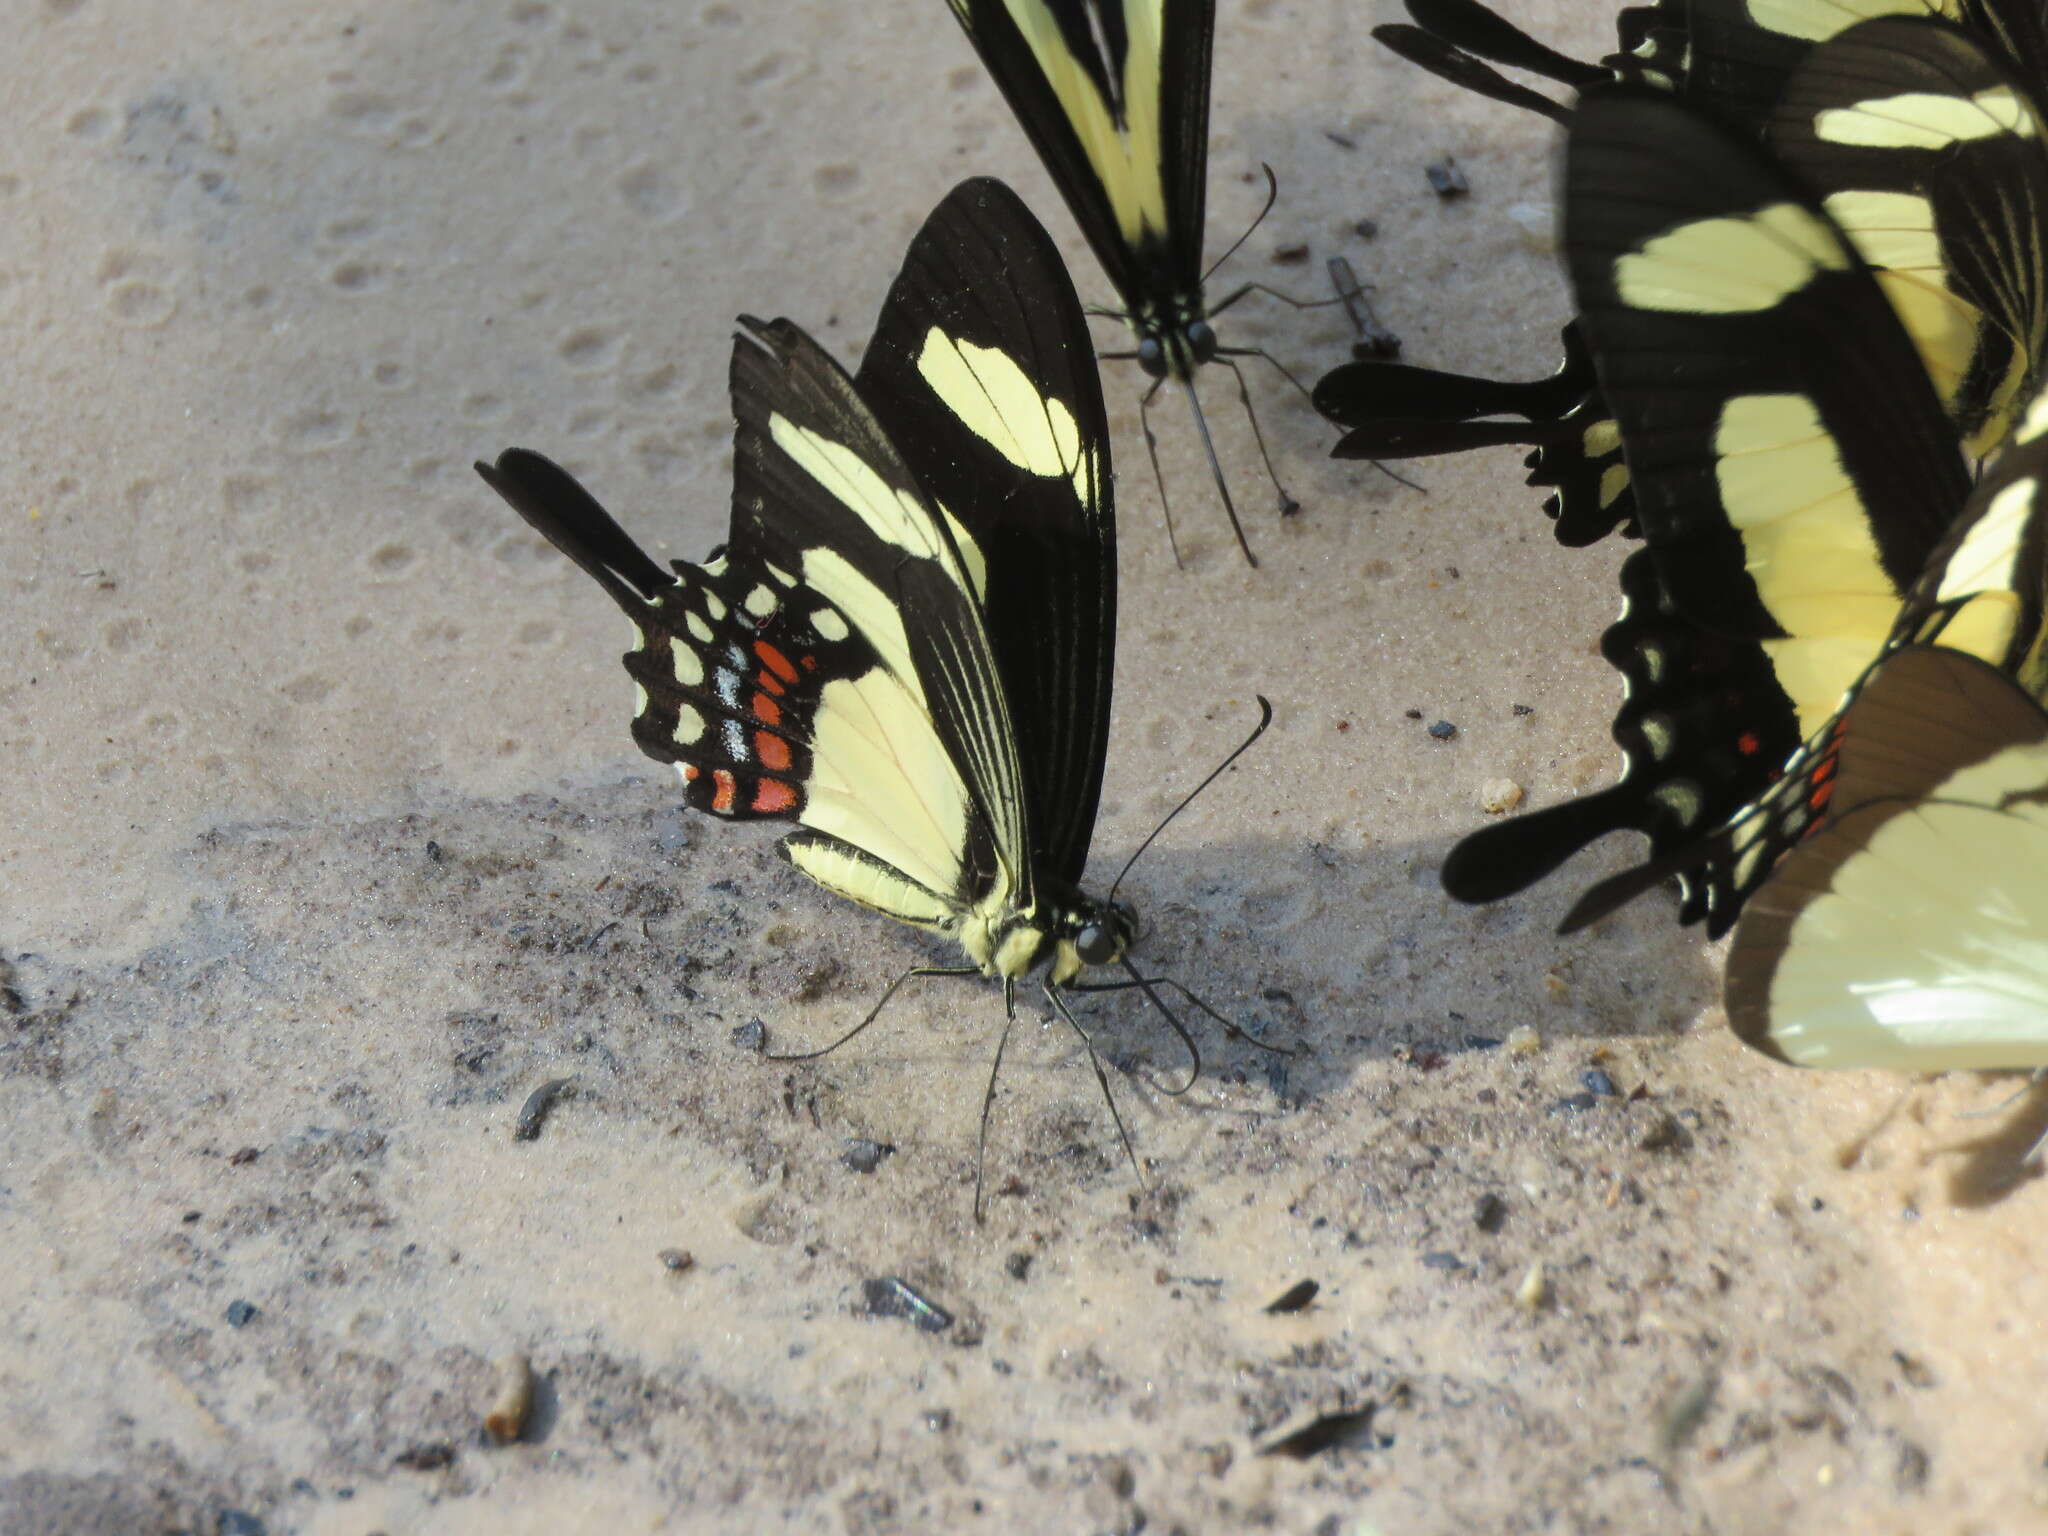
{"type": "Point", "coordinates": [1114, 95]}
{"type": "Point", "coordinates": [1792, 467]}
{"type": "Point", "coordinates": [1930, 151]}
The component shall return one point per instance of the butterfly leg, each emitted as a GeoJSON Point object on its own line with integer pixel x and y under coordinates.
{"type": "Point", "coordinates": [1102, 1078]}
{"type": "Point", "coordinates": [1288, 505]}
{"type": "Point", "coordinates": [1224, 356]}
{"type": "Point", "coordinates": [988, 1094]}
{"type": "Point", "coordinates": [875, 1012]}
{"type": "Point", "coordinates": [1158, 479]}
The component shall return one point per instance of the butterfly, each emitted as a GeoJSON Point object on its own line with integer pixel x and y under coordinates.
{"type": "Point", "coordinates": [1114, 95]}
{"type": "Point", "coordinates": [1904, 922]}
{"type": "Point", "coordinates": [1794, 472]}
{"type": "Point", "coordinates": [1945, 198]}
{"type": "Point", "coordinates": [905, 645]}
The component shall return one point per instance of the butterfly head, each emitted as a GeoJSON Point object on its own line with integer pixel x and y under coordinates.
{"type": "Point", "coordinates": [1101, 932]}
{"type": "Point", "coordinates": [1174, 347]}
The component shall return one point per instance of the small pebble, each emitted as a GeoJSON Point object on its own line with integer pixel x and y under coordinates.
{"type": "Point", "coordinates": [434, 851]}
{"type": "Point", "coordinates": [1499, 796]}
{"type": "Point", "coordinates": [1574, 1103]}
{"type": "Point", "coordinates": [1490, 1214]}
{"type": "Point", "coordinates": [1533, 1294]}
{"type": "Point", "coordinates": [676, 1260]}
{"type": "Point", "coordinates": [889, 1296]}
{"type": "Point", "coordinates": [1599, 1082]}
{"type": "Point", "coordinates": [863, 1155]}
{"type": "Point", "coordinates": [236, 1522]}
{"type": "Point", "coordinates": [1536, 224]}
{"type": "Point", "coordinates": [430, 1457]}
{"type": "Point", "coordinates": [1443, 730]}
{"type": "Point", "coordinates": [1446, 180]}
{"type": "Point", "coordinates": [1442, 1260]}
{"type": "Point", "coordinates": [751, 1036]}
{"type": "Point", "coordinates": [1366, 229]}
{"type": "Point", "coordinates": [533, 1114]}
{"type": "Point", "coordinates": [1018, 1265]}
{"type": "Point", "coordinates": [1524, 1041]}
{"type": "Point", "coordinates": [1294, 1298]}
{"type": "Point", "coordinates": [1482, 1042]}
{"type": "Point", "coordinates": [240, 1314]}
{"type": "Point", "coordinates": [938, 1420]}
{"type": "Point", "coordinates": [1524, 709]}
{"type": "Point", "coordinates": [1663, 1135]}
{"type": "Point", "coordinates": [511, 1400]}
{"type": "Point", "coordinates": [1290, 255]}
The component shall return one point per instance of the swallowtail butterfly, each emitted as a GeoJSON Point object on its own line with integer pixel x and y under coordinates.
{"type": "Point", "coordinates": [1114, 95]}
{"type": "Point", "coordinates": [904, 647]}
{"type": "Point", "coordinates": [1921, 130]}
{"type": "Point", "coordinates": [1904, 918]}
{"type": "Point", "coordinates": [1794, 473]}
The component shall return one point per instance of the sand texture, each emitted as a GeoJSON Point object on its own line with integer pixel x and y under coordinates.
{"type": "Point", "coordinates": [328, 846]}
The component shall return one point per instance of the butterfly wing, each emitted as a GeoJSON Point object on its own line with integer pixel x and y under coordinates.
{"type": "Point", "coordinates": [1114, 95]}
{"type": "Point", "coordinates": [1931, 153]}
{"type": "Point", "coordinates": [1790, 463]}
{"type": "Point", "coordinates": [1703, 728]}
{"type": "Point", "coordinates": [984, 376]}
{"type": "Point", "coordinates": [1906, 931]}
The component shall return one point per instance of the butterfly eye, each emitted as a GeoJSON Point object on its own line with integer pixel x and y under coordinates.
{"type": "Point", "coordinates": [1096, 944]}
{"type": "Point", "coordinates": [1152, 356]}
{"type": "Point", "coordinates": [1202, 341]}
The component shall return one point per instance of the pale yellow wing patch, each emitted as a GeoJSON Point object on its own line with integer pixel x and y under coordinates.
{"type": "Point", "coordinates": [1727, 266]}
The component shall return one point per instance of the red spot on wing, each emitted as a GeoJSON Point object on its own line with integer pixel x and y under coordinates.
{"type": "Point", "coordinates": [772, 795]}
{"type": "Point", "coordinates": [1749, 744]}
{"type": "Point", "coordinates": [689, 773]}
{"type": "Point", "coordinates": [766, 710]}
{"type": "Point", "coordinates": [810, 663]}
{"type": "Point", "coordinates": [721, 801]}
{"type": "Point", "coordinates": [772, 750]}
{"type": "Point", "coordinates": [775, 662]}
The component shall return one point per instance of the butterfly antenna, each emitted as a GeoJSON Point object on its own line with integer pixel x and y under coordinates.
{"type": "Point", "coordinates": [988, 1096]}
{"type": "Point", "coordinates": [919, 971]}
{"type": "Point", "coordinates": [1265, 719]}
{"type": "Point", "coordinates": [1102, 1080]}
{"type": "Point", "coordinates": [1272, 196]}
{"type": "Point", "coordinates": [1216, 469]}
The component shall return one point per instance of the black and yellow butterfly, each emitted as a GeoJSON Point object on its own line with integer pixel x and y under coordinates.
{"type": "Point", "coordinates": [1904, 920]}
{"type": "Point", "coordinates": [1922, 133]}
{"type": "Point", "coordinates": [1794, 472]}
{"type": "Point", "coordinates": [1806, 509]}
{"type": "Point", "coordinates": [1114, 95]}
{"type": "Point", "coordinates": [905, 645]}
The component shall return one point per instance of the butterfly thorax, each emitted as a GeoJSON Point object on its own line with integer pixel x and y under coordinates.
{"type": "Point", "coordinates": [1066, 935]}
{"type": "Point", "coordinates": [1173, 340]}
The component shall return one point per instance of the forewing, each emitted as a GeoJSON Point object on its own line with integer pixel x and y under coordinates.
{"type": "Point", "coordinates": [982, 372]}
{"type": "Point", "coordinates": [1930, 153]}
{"type": "Point", "coordinates": [1790, 463]}
{"type": "Point", "coordinates": [1114, 95]}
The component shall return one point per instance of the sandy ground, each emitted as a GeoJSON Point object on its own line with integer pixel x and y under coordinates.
{"type": "Point", "coordinates": [329, 846]}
